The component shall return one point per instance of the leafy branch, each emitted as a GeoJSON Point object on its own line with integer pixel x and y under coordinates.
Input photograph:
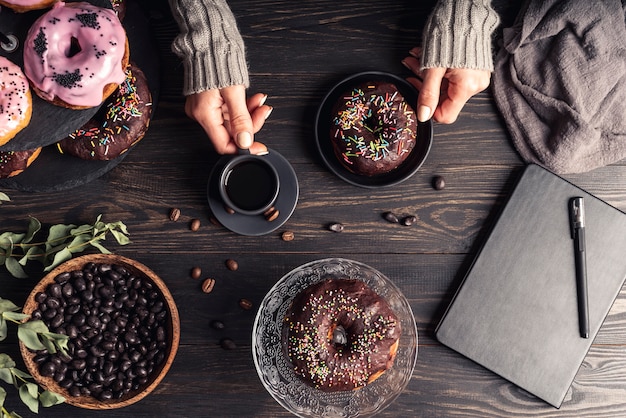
{"type": "Point", "coordinates": [36, 336]}
{"type": "Point", "coordinates": [16, 249]}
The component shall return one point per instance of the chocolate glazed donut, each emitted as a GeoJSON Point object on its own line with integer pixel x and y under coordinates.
{"type": "Point", "coordinates": [373, 129]}
{"type": "Point", "coordinates": [340, 335]}
{"type": "Point", "coordinates": [121, 122]}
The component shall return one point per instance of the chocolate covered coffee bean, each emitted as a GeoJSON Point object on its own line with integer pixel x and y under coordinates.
{"type": "Point", "coordinates": [116, 322]}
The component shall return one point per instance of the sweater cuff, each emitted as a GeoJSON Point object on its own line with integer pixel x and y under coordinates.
{"type": "Point", "coordinates": [458, 35]}
{"type": "Point", "coordinates": [210, 70]}
{"type": "Point", "coordinates": [209, 44]}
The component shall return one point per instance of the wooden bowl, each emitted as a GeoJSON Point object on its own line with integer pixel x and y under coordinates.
{"type": "Point", "coordinates": [172, 328]}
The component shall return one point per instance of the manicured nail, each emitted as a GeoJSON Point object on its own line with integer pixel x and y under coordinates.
{"type": "Point", "coordinates": [262, 102]}
{"type": "Point", "coordinates": [244, 140]}
{"type": "Point", "coordinates": [415, 52]}
{"type": "Point", "coordinates": [269, 112]}
{"type": "Point", "coordinates": [423, 113]}
{"type": "Point", "coordinates": [406, 64]}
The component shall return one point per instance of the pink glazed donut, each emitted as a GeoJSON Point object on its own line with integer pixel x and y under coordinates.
{"type": "Point", "coordinates": [75, 55]}
{"type": "Point", "coordinates": [22, 6]}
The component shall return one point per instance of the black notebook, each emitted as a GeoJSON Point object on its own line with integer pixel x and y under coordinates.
{"type": "Point", "coordinates": [516, 312]}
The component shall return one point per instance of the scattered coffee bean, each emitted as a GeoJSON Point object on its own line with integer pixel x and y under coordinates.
{"type": "Point", "coordinates": [174, 214]}
{"type": "Point", "coordinates": [231, 264]}
{"type": "Point", "coordinates": [194, 225]}
{"type": "Point", "coordinates": [215, 324]}
{"type": "Point", "coordinates": [391, 217]}
{"type": "Point", "coordinates": [272, 214]}
{"type": "Point", "coordinates": [336, 227]}
{"type": "Point", "coordinates": [409, 220]}
{"type": "Point", "coordinates": [245, 304]}
{"type": "Point", "coordinates": [229, 210]}
{"type": "Point", "coordinates": [196, 272]}
{"type": "Point", "coordinates": [207, 285]}
{"type": "Point", "coordinates": [439, 183]}
{"type": "Point", "coordinates": [227, 344]}
{"type": "Point", "coordinates": [287, 236]}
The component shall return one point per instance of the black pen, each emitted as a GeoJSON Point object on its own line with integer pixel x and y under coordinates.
{"type": "Point", "coordinates": [577, 219]}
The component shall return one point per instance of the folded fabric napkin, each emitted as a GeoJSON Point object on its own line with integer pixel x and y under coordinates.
{"type": "Point", "coordinates": [560, 83]}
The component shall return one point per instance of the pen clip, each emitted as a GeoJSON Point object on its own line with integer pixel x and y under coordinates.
{"type": "Point", "coordinates": [577, 214]}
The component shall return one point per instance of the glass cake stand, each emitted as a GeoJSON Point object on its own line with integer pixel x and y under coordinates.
{"type": "Point", "coordinates": [275, 369]}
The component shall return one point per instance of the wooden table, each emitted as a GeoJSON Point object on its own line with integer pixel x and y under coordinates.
{"type": "Point", "coordinates": [297, 51]}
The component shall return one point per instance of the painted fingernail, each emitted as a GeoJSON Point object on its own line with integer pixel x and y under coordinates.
{"type": "Point", "coordinates": [262, 102]}
{"type": "Point", "coordinates": [244, 140]}
{"type": "Point", "coordinates": [423, 113]}
{"type": "Point", "coordinates": [269, 112]}
{"type": "Point", "coordinates": [406, 64]}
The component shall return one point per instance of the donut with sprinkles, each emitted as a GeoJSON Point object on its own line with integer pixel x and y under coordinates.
{"type": "Point", "coordinates": [373, 128]}
{"type": "Point", "coordinates": [13, 163]}
{"type": "Point", "coordinates": [22, 6]}
{"type": "Point", "coordinates": [75, 54]}
{"type": "Point", "coordinates": [121, 122]}
{"type": "Point", "coordinates": [340, 335]}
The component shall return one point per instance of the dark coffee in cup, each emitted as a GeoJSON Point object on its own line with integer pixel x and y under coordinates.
{"type": "Point", "coordinates": [249, 184]}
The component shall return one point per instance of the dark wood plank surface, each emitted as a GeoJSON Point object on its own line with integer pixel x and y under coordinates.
{"type": "Point", "coordinates": [297, 51]}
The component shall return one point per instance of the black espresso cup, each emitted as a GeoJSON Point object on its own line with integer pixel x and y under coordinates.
{"type": "Point", "coordinates": [249, 184]}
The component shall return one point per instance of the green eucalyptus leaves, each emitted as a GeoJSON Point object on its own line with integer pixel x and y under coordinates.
{"type": "Point", "coordinates": [16, 249]}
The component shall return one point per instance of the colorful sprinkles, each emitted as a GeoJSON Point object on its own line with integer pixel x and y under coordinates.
{"type": "Point", "coordinates": [374, 124]}
{"type": "Point", "coordinates": [116, 117]}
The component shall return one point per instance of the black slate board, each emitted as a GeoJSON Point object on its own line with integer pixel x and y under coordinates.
{"type": "Point", "coordinates": [52, 171]}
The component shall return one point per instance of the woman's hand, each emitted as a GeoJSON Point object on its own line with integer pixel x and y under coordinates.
{"type": "Point", "coordinates": [229, 120]}
{"type": "Point", "coordinates": [444, 91]}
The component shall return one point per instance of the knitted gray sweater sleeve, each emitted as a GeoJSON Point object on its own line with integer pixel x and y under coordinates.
{"type": "Point", "coordinates": [209, 45]}
{"type": "Point", "coordinates": [458, 35]}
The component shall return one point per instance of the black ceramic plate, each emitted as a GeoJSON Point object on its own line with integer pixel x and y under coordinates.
{"type": "Point", "coordinates": [323, 124]}
{"type": "Point", "coordinates": [52, 171]}
{"type": "Point", "coordinates": [256, 225]}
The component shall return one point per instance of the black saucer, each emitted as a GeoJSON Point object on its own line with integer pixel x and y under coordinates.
{"type": "Point", "coordinates": [256, 225]}
{"type": "Point", "coordinates": [322, 133]}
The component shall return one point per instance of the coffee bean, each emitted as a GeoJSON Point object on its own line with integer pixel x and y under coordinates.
{"type": "Point", "coordinates": [439, 183]}
{"type": "Point", "coordinates": [271, 214]}
{"type": "Point", "coordinates": [207, 285]}
{"type": "Point", "coordinates": [336, 227]}
{"type": "Point", "coordinates": [174, 214]}
{"type": "Point", "coordinates": [409, 220]}
{"type": "Point", "coordinates": [215, 324]}
{"type": "Point", "coordinates": [194, 225]}
{"type": "Point", "coordinates": [245, 304]}
{"type": "Point", "coordinates": [227, 344]}
{"type": "Point", "coordinates": [287, 236]}
{"type": "Point", "coordinates": [232, 265]}
{"type": "Point", "coordinates": [196, 272]}
{"type": "Point", "coordinates": [391, 217]}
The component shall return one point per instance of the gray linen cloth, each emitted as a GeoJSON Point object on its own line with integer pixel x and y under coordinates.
{"type": "Point", "coordinates": [560, 83]}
